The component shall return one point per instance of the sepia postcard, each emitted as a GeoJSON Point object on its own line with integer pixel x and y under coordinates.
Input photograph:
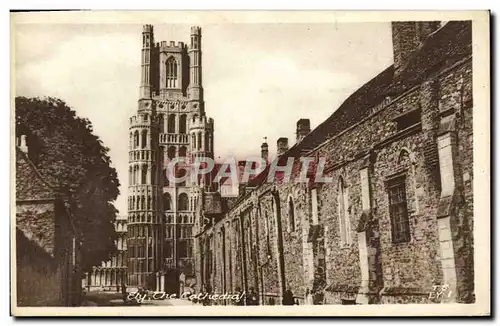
{"type": "Point", "coordinates": [250, 163]}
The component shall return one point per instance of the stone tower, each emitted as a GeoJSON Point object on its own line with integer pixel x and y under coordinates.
{"type": "Point", "coordinates": [170, 124]}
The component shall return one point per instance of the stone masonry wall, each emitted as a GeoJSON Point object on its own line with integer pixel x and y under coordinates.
{"type": "Point", "coordinates": [402, 272]}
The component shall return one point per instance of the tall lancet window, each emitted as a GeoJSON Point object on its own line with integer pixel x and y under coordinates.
{"type": "Point", "coordinates": [172, 73]}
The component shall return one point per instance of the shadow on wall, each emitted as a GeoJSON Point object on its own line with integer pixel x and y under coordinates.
{"type": "Point", "coordinates": [38, 279]}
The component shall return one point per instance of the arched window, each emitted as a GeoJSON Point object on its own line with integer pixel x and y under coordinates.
{"type": "Point", "coordinates": [195, 116]}
{"type": "Point", "coordinates": [144, 139]}
{"type": "Point", "coordinates": [136, 139]}
{"type": "Point", "coordinates": [144, 174]}
{"type": "Point", "coordinates": [208, 141]}
{"type": "Point", "coordinates": [143, 202]}
{"type": "Point", "coordinates": [134, 180]}
{"type": "Point", "coordinates": [131, 141]}
{"type": "Point", "coordinates": [343, 212]}
{"type": "Point", "coordinates": [291, 215]}
{"type": "Point", "coordinates": [171, 152]}
{"type": "Point", "coordinates": [152, 176]}
{"type": "Point", "coordinates": [167, 202]}
{"type": "Point", "coordinates": [172, 73]}
{"type": "Point", "coordinates": [171, 124]}
{"type": "Point", "coordinates": [182, 124]}
{"type": "Point", "coordinates": [183, 202]}
{"type": "Point", "coordinates": [199, 140]}
{"type": "Point", "coordinates": [182, 151]}
{"type": "Point", "coordinates": [130, 175]}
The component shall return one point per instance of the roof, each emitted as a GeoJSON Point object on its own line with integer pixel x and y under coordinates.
{"type": "Point", "coordinates": [445, 47]}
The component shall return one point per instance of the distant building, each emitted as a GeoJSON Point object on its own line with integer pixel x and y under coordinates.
{"type": "Point", "coordinates": [396, 222]}
{"type": "Point", "coordinates": [112, 273]}
{"type": "Point", "coordinates": [47, 248]}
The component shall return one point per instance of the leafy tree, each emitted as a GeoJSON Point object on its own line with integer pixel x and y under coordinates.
{"type": "Point", "coordinates": [74, 160]}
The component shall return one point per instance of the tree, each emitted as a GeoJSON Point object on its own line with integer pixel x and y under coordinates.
{"type": "Point", "coordinates": [74, 160]}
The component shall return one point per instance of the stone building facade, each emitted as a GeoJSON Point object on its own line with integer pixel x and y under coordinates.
{"type": "Point", "coordinates": [170, 124]}
{"type": "Point", "coordinates": [47, 246]}
{"type": "Point", "coordinates": [395, 222]}
{"type": "Point", "coordinates": [112, 273]}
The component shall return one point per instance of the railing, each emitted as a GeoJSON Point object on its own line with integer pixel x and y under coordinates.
{"type": "Point", "coordinates": [174, 138]}
{"type": "Point", "coordinates": [136, 155]}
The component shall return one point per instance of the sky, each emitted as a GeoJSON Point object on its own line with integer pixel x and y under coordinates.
{"type": "Point", "coordinates": [259, 79]}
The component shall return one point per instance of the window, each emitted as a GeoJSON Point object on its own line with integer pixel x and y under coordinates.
{"type": "Point", "coordinates": [343, 212]}
{"type": "Point", "coordinates": [408, 119]}
{"type": "Point", "coordinates": [171, 152]}
{"type": "Point", "coordinates": [168, 249]}
{"type": "Point", "coordinates": [183, 249]}
{"type": "Point", "coordinates": [144, 174]}
{"type": "Point", "coordinates": [136, 139]}
{"type": "Point", "coordinates": [182, 124]}
{"type": "Point", "coordinates": [144, 139]}
{"type": "Point", "coordinates": [171, 73]}
{"type": "Point", "coordinates": [189, 249]}
{"type": "Point", "coordinates": [171, 124]}
{"type": "Point", "coordinates": [167, 202]}
{"type": "Point", "coordinates": [183, 202]}
{"type": "Point", "coordinates": [291, 215]}
{"type": "Point", "coordinates": [182, 151]}
{"type": "Point", "coordinates": [207, 142]}
{"type": "Point", "coordinates": [398, 210]}
{"type": "Point", "coordinates": [169, 232]}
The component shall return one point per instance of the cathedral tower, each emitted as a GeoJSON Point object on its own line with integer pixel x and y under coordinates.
{"type": "Point", "coordinates": [170, 124]}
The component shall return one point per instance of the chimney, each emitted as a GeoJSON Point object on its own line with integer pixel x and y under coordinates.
{"type": "Point", "coordinates": [303, 128]}
{"type": "Point", "coordinates": [264, 150]}
{"type": "Point", "coordinates": [406, 38]}
{"type": "Point", "coordinates": [282, 145]}
{"type": "Point", "coordinates": [21, 143]}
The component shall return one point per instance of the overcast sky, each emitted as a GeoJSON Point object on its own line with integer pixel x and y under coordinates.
{"type": "Point", "coordinates": [259, 79]}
